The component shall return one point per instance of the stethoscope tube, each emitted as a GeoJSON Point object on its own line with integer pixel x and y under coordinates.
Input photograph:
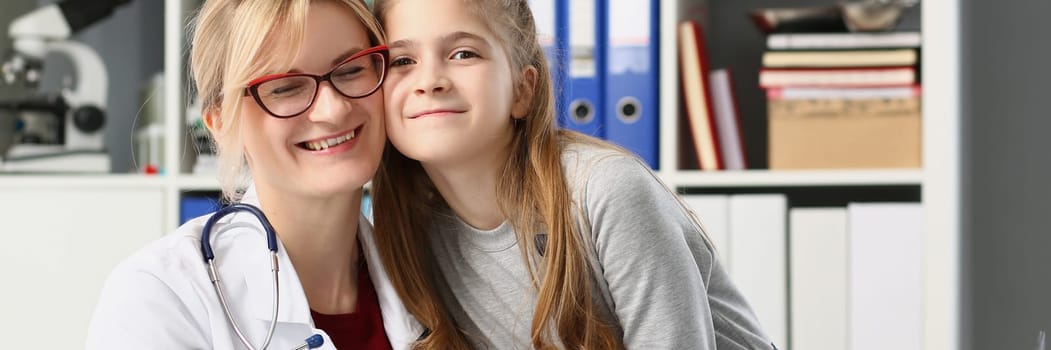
{"type": "Point", "coordinates": [206, 232]}
{"type": "Point", "coordinates": [209, 257]}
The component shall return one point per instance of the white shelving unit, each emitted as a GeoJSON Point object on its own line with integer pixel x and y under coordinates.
{"type": "Point", "coordinates": [175, 15]}
{"type": "Point", "coordinates": [942, 173]}
{"type": "Point", "coordinates": [766, 178]}
{"type": "Point", "coordinates": [939, 178]}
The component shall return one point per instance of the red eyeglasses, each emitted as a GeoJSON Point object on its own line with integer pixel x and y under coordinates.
{"type": "Point", "coordinates": [290, 94]}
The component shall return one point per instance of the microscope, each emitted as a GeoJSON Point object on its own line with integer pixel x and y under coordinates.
{"type": "Point", "coordinates": [61, 128]}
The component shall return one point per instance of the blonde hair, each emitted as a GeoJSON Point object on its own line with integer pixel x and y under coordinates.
{"type": "Point", "coordinates": [532, 193]}
{"type": "Point", "coordinates": [235, 41]}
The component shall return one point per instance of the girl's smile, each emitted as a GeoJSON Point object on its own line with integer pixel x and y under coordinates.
{"type": "Point", "coordinates": [439, 112]}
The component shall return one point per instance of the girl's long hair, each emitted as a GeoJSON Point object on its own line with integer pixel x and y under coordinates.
{"type": "Point", "coordinates": [533, 195]}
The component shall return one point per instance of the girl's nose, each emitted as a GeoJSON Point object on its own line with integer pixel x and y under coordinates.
{"type": "Point", "coordinates": [431, 79]}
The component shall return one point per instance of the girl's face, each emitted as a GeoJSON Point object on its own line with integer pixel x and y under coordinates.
{"type": "Point", "coordinates": [335, 145]}
{"type": "Point", "coordinates": [449, 90]}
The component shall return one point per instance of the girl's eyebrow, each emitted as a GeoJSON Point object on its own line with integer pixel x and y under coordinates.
{"type": "Point", "coordinates": [461, 35]}
{"type": "Point", "coordinates": [401, 44]}
{"type": "Point", "coordinates": [447, 38]}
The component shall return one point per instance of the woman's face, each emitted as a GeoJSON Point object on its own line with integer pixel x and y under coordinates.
{"type": "Point", "coordinates": [336, 144]}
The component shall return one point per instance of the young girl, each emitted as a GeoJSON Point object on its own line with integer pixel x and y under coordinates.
{"type": "Point", "coordinates": [502, 231]}
{"type": "Point", "coordinates": [289, 91]}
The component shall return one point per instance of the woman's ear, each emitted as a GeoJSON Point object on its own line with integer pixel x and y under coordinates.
{"type": "Point", "coordinates": [524, 93]}
{"type": "Point", "coordinates": [213, 121]}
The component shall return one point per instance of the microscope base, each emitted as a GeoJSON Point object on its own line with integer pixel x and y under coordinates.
{"type": "Point", "coordinates": [52, 160]}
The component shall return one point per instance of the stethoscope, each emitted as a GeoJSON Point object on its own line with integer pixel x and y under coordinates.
{"type": "Point", "coordinates": [315, 341]}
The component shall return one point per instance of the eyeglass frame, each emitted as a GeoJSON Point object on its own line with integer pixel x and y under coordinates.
{"type": "Point", "coordinates": [253, 86]}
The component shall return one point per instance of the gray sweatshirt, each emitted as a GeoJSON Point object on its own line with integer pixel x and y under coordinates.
{"type": "Point", "coordinates": [655, 273]}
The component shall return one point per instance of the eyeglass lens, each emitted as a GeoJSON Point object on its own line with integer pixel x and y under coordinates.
{"type": "Point", "coordinates": [292, 95]}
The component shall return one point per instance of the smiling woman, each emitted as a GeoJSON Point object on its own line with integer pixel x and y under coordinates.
{"type": "Point", "coordinates": [291, 94]}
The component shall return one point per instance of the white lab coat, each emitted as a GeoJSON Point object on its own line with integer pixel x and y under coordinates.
{"type": "Point", "coordinates": [161, 297]}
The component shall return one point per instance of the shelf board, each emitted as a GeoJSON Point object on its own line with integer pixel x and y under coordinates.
{"type": "Point", "coordinates": [208, 182]}
{"type": "Point", "coordinates": [682, 178]}
{"type": "Point", "coordinates": [794, 178]}
{"type": "Point", "coordinates": [197, 182]}
{"type": "Point", "coordinates": [16, 181]}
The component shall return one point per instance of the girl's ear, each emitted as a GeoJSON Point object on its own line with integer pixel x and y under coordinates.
{"type": "Point", "coordinates": [524, 93]}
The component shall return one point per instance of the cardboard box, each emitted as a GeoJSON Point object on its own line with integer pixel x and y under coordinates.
{"type": "Point", "coordinates": [844, 133]}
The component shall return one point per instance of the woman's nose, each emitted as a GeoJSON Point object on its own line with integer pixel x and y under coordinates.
{"type": "Point", "coordinates": [329, 104]}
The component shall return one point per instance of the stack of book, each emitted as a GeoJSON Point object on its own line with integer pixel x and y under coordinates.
{"type": "Point", "coordinates": [843, 100]}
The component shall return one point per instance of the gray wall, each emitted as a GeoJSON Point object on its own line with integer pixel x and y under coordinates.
{"type": "Point", "coordinates": [131, 43]}
{"type": "Point", "coordinates": [9, 10]}
{"type": "Point", "coordinates": [1007, 172]}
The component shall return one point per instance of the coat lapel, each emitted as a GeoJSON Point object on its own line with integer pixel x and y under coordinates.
{"type": "Point", "coordinates": [402, 328]}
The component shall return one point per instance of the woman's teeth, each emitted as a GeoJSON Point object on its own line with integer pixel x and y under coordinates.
{"type": "Point", "coordinates": [325, 144]}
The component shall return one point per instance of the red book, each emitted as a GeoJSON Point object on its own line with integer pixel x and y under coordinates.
{"type": "Point", "coordinates": [694, 67]}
